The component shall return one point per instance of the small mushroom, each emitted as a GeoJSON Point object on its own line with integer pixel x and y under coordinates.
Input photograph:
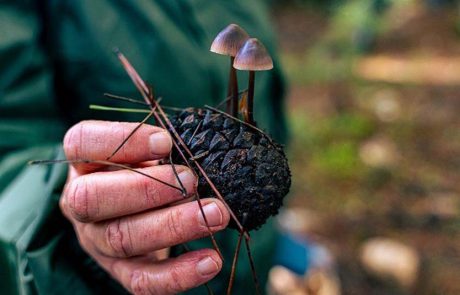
{"type": "Point", "coordinates": [228, 42]}
{"type": "Point", "coordinates": [253, 56]}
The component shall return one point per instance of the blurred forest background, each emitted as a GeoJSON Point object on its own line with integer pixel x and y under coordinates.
{"type": "Point", "coordinates": [373, 105]}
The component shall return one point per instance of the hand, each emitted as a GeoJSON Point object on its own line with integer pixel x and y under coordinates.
{"type": "Point", "coordinates": [125, 220]}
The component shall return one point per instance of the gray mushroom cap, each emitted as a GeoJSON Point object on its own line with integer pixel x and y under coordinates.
{"type": "Point", "coordinates": [253, 56]}
{"type": "Point", "coordinates": [229, 40]}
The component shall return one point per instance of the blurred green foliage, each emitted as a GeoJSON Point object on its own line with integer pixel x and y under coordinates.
{"type": "Point", "coordinates": [331, 143]}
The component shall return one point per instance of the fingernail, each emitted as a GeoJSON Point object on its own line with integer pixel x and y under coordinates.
{"type": "Point", "coordinates": [160, 143]}
{"type": "Point", "coordinates": [207, 266]}
{"type": "Point", "coordinates": [188, 180]}
{"type": "Point", "coordinates": [212, 213]}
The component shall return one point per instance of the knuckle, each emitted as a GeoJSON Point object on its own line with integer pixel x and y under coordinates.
{"type": "Point", "coordinates": [149, 191]}
{"type": "Point", "coordinates": [170, 282]}
{"type": "Point", "coordinates": [144, 283]}
{"type": "Point", "coordinates": [175, 226]}
{"type": "Point", "coordinates": [118, 238]}
{"type": "Point", "coordinates": [177, 276]}
{"type": "Point", "coordinates": [78, 199]}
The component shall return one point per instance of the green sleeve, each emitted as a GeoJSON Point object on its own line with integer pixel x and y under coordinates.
{"type": "Point", "coordinates": [28, 111]}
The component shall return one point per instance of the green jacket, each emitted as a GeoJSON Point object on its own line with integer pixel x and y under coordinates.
{"type": "Point", "coordinates": [55, 59]}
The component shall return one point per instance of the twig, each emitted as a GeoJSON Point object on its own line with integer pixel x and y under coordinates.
{"type": "Point", "coordinates": [132, 100]}
{"type": "Point", "coordinates": [126, 110]}
{"type": "Point", "coordinates": [194, 133]}
{"type": "Point", "coordinates": [128, 99]}
{"type": "Point", "coordinates": [253, 268]}
{"type": "Point", "coordinates": [229, 98]}
{"type": "Point", "coordinates": [100, 162]}
{"type": "Point", "coordinates": [241, 121]}
{"type": "Point", "coordinates": [213, 239]}
{"type": "Point", "coordinates": [234, 263]}
{"type": "Point", "coordinates": [184, 191]}
{"type": "Point", "coordinates": [131, 134]}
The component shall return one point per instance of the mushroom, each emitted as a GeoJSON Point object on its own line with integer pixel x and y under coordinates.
{"type": "Point", "coordinates": [228, 42]}
{"type": "Point", "coordinates": [253, 56]}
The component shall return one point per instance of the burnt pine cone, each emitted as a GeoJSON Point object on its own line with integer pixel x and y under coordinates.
{"type": "Point", "coordinates": [248, 168]}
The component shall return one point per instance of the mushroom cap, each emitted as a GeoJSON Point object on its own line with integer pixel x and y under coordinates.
{"type": "Point", "coordinates": [253, 56]}
{"type": "Point", "coordinates": [229, 40]}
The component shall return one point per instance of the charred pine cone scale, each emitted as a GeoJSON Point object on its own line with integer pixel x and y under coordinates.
{"type": "Point", "coordinates": [248, 168]}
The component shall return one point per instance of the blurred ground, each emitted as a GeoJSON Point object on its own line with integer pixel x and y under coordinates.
{"type": "Point", "coordinates": [376, 132]}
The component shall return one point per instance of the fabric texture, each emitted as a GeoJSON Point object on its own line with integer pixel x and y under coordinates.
{"type": "Point", "coordinates": [55, 59]}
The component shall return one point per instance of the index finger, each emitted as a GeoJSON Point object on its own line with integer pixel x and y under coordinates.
{"type": "Point", "coordinates": [97, 140]}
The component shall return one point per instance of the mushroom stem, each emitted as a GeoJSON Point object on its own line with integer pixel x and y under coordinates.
{"type": "Point", "coordinates": [234, 91]}
{"type": "Point", "coordinates": [250, 106]}
{"type": "Point", "coordinates": [229, 88]}
{"type": "Point", "coordinates": [232, 103]}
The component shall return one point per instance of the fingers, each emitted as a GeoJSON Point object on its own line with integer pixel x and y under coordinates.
{"type": "Point", "coordinates": [149, 231]}
{"type": "Point", "coordinates": [171, 276]}
{"type": "Point", "coordinates": [105, 195]}
{"type": "Point", "coordinates": [97, 140]}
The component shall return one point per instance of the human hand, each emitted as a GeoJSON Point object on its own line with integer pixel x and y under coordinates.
{"type": "Point", "coordinates": [125, 220]}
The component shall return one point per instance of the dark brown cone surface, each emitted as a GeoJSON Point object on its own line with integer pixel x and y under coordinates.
{"type": "Point", "coordinates": [249, 169]}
